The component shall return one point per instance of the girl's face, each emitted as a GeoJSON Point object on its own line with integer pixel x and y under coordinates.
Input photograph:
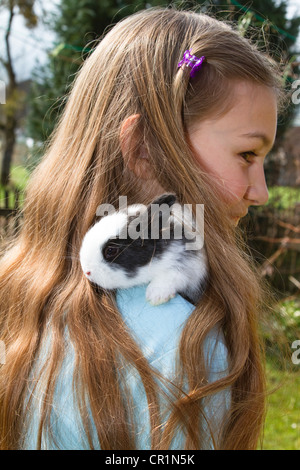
{"type": "Point", "coordinates": [233, 148]}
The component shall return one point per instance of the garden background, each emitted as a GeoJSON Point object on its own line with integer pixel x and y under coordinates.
{"type": "Point", "coordinates": [41, 48]}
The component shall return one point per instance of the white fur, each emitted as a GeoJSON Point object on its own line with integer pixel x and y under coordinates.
{"type": "Point", "coordinates": [91, 257]}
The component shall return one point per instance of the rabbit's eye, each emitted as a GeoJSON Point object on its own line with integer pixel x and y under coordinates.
{"type": "Point", "coordinates": [111, 252]}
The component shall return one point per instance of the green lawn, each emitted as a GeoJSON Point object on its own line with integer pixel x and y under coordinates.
{"type": "Point", "coordinates": [282, 428]}
{"type": "Point", "coordinates": [19, 178]}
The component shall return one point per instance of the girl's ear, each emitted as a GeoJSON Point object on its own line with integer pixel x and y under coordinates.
{"type": "Point", "coordinates": [133, 150]}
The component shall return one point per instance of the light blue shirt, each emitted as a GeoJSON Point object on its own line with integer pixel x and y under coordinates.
{"type": "Point", "coordinates": [157, 330]}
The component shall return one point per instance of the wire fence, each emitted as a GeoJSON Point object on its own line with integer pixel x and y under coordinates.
{"type": "Point", "coordinates": [273, 234]}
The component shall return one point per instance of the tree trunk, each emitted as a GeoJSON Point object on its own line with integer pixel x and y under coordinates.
{"type": "Point", "coordinates": [9, 143]}
{"type": "Point", "coordinates": [11, 117]}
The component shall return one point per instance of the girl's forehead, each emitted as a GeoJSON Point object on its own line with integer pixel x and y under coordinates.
{"type": "Point", "coordinates": [253, 112]}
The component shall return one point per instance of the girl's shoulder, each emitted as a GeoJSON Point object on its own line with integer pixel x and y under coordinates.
{"type": "Point", "coordinates": [141, 316]}
{"type": "Point", "coordinates": [157, 329]}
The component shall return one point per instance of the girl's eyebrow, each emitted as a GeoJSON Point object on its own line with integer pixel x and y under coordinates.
{"type": "Point", "coordinates": [257, 135]}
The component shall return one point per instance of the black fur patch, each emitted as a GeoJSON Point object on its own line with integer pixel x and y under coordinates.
{"type": "Point", "coordinates": [133, 254]}
{"type": "Point", "coordinates": [136, 253]}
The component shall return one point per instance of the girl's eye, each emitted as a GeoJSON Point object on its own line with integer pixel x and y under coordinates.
{"type": "Point", "coordinates": [110, 252]}
{"type": "Point", "coordinates": [248, 156]}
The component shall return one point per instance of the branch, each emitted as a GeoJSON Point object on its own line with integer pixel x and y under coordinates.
{"type": "Point", "coordinates": [294, 281]}
{"type": "Point", "coordinates": [283, 241]}
{"type": "Point", "coordinates": [289, 226]}
{"type": "Point", "coordinates": [285, 244]}
{"type": "Point", "coordinates": [9, 66]}
{"type": "Point", "coordinates": [272, 258]}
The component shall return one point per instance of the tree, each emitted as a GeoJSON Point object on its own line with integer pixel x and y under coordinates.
{"type": "Point", "coordinates": [268, 16]}
{"type": "Point", "coordinates": [14, 97]}
{"type": "Point", "coordinates": [77, 25]}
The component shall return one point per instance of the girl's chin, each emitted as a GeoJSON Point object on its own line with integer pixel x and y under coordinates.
{"type": "Point", "coordinates": [236, 218]}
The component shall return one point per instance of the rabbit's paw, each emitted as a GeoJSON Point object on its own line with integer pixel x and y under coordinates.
{"type": "Point", "coordinates": [157, 293]}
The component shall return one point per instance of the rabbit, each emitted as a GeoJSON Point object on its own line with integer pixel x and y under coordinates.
{"type": "Point", "coordinates": [112, 259]}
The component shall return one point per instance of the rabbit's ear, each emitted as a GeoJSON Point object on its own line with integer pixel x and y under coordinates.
{"type": "Point", "coordinates": [167, 198]}
{"type": "Point", "coordinates": [159, 215]}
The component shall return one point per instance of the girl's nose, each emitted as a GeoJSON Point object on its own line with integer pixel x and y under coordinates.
{"type": "Point", "coordinates": [257, 192]}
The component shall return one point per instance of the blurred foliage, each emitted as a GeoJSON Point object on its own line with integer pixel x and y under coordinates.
{"type": "Point", "coordinates": [14, 104]}
{"type": "Point", "coordinates": [280, 331]}
{"type": "Point", "coordinates": [283, 198]}
{"type": "Point", "coordinates": [77, 26]}
{"type": "Point", "coordinates": [19, 177]}
{"type": "Point", "coordinates": [272, 233]}
{"type": "Point", "coordinates": [269, 19]}
{"type": "Point", "coordinates": [11, 111]}
{"type": "Point", "coordinates": [25, 8]}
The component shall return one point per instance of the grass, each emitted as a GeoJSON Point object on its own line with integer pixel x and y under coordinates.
{"type": "Point", "coordinates": [18, 179]}
{"type": "Point", "coordinates": [282, 427]}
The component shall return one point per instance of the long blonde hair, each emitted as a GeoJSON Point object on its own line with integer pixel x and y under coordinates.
{"type": "Point", "coordinates": [133, 70]}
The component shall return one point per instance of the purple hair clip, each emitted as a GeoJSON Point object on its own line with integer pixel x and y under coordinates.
{"type": "Point", "coordinates": [191, 61]}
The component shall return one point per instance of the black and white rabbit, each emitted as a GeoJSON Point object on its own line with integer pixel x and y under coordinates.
{"type": "Point", "coordinates": [165, 262]}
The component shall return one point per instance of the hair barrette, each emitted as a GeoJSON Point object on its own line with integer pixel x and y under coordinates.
{"type": "Point", "coordinates": [192, 61]}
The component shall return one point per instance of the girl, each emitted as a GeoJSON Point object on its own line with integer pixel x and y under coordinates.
{"type": "Point", "coordinates": [91, 369]}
